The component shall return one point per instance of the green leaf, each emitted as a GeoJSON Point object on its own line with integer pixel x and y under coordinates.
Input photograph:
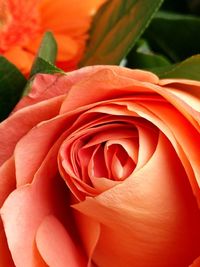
{"type": "Point", "coordinates": [175, 35]}
{"type": "Point", "coordinates": [12, 84]}
{"type": "Point", "coordinates": [44, 66]}
{"type": "Point", "coordinates": [47, 51]}
{"type": "Point", "coordinates": [187, 69]}
{"type": "Point", "coordinates": [145, 61]}
{"type": "Point", "coordinates": [116, 28]}
{"type": "Point", "coordinates": [144, 58]}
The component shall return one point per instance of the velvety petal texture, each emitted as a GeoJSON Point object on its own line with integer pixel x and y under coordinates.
{"type": "Point", "coordinates": [100, 167]}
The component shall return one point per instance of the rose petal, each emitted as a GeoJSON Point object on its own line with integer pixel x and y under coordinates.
{"type": "Point", "coordinates": [43, 87]}
{"type": "Point", "coordinates": [5, 256]}
{"type": "Point", "coordinates": [56, 246]}
{"type": "Point", "coordinates": [89, 231]}
{"type": "Point", "coordinates": [147, 215]}
{"type": "Point", "coordinates": [25, 208]}
{"type": "Point", "coordinates": [152, 117]}
{"type": "Point", "coordinates": [183, 131]}
{"type": "Point", "coordinates": [184, 95]}
{"type": "Point", "coordinates": [23, 121]}
{"type": "Point", "coordinates": [187, 91]}
{"type": "Point", "coordinates": [148, 137]}
{"type": "Point", "coordinates": [21, 213]}
{"type": "Point", "coordinates": [83, 93]}
{"type": "Point", "coordinates": [34, 146]}
{"type": "Point", "coordinates": [7, 179]}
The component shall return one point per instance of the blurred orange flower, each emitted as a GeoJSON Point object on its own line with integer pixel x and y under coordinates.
{"type": "Point", "coordinates": [23, 23]}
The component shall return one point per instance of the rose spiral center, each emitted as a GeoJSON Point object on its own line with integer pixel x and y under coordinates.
{"type": "Point", "coordinates": [98, 157]}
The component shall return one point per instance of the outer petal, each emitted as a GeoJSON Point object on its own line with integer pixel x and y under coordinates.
{"type": "Point", "coordinates": [179, 131]}
{"type": "Point", "coordinates": [185, 134]}
{"type": "Point", "coordinates": [22, 213]}
{"type": "Point", "coordinates": [25, 209]}
{"type": "Point", "coordinates": [7, 179]}
{"type": "Point", "coordinates": [23, 121]}
{"type": "Point", "coordinates": [57, 248]}
{"type": "Point", "coordinates": [118, 83]}
{"type": "Point", "coordinates": [185, 96]}
{"type": "Point", "coordinates": [32, 149]}
{"type": "Point", "coordinates": [147, 215]}
{"type": "Point", "coordinates": [90, 232]}
{"type": "Point", "coordinates": [43, 87]}
{"type": "Point", "coordinates": [5, 256]}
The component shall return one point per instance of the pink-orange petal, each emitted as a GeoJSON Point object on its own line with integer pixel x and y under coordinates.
{"type": "Point", "coordinates": [5, 256]}
{"type": "Point", "coordinates": [7, 179]}
{"type": "Point", "coordinates": [56, 246]}
{"type": "Point", "coordinates": [43, 87]}
{"type": "Point", "coordinates": [24, 120]}
{"type": "Point", "coordinates": [26, 207]}
{"type": "Point", "coordinates": [147, 215]}
{"type": "Point", "coordinates": [89, 231]}
{"type": "Point", "coordinates": [87, 80]}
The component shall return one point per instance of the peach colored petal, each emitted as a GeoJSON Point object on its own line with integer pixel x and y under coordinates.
{"type": "Point", "coordinates": [120, 157]}
{"type": "Point", "coordinates": [27, 206]}
{"type": "Point", "coordinates": [89, 231]}
{"type": "Point", "coordinates": [144, 217]}
{"type": "Point", "coordinates": [184, 95]}
{"type": "Point", "coordinates": [186, 91]}
{"type": "Point", "coordinates": [135, 74]}
{"type": "Point", "coordinates": [5, 256]}
{"type": "Point", "coordinates": [102, 184]}
{"type": "Point", "coordinates": [57, 248]}
{"type": "Point", "coordinates": [7, 179]}
{"type": "Point", "coordinates": [23, 121]}
{"type": "Point", "coordinates": [32, 149]}
{"type": "Point", "coordinates": [75, 141]}
{"type": "Point", "coordinates": [43, 87]}
{"type": "Point", "coordinates": [148, 137]}
{"type": "Point", "coordinates": [83, 92]}
{"type": "Point", "coordinates": [185, 134]}
{"type": "Point", "coordinates": [22, 213]}
{"type": "Point", "coordinates": [152, 117]}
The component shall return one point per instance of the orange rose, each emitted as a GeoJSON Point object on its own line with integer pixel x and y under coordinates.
{"type": "Point", "coordinates": [23, 23]}
{"type": "Point", "coordinates": [101, 167]}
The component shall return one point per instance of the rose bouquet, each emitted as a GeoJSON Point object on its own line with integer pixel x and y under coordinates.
{"type": "Point", "coordinates": [100, 166]}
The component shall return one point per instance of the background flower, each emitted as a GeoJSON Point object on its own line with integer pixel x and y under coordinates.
{"type": "Point", "coordinates": [23, 23]}
{"type": "Point", "coordinates": [107, 161]}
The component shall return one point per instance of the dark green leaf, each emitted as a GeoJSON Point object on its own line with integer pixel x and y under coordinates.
{"type": "Point", "coordinates": [43, 66]}
{"type": "Point", "coordinates": [177, 36]}
{"type": "Point", "coordinates": [143, 57]}
{"type": "Point", "coordinates": [188, 69]}
{"type": "Point", "coordinates": [12, 84]}
{"type": "Point", "coordinates": [145, 61]}
{"type": "Point", "coordinates": [116, 28]}
{"type": "Point", "coordinates": [47, 51]}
